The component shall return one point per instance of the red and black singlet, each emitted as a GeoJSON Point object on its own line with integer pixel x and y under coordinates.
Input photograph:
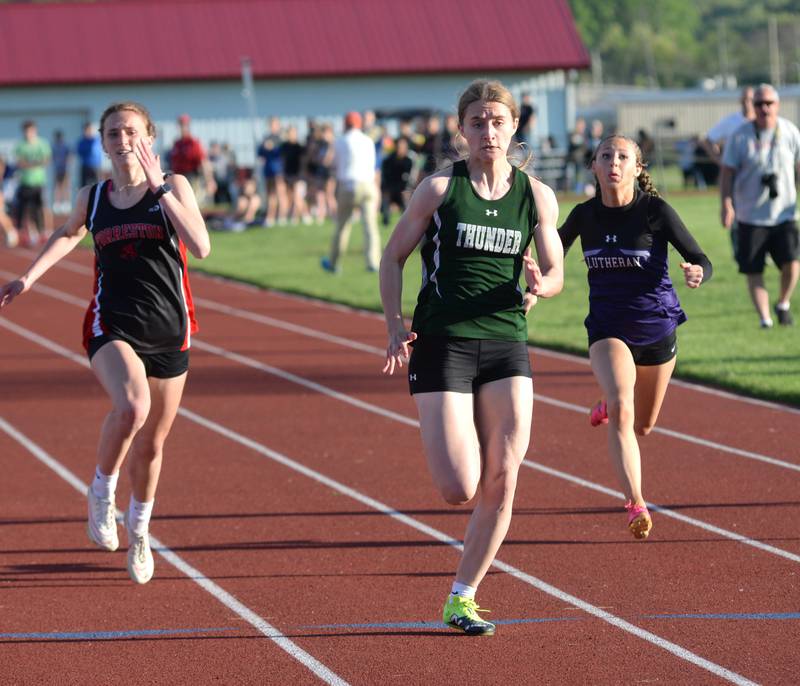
{"type": "Point", "coordinates": [141, 284]}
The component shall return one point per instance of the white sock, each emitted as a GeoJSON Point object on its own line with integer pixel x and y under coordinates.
{"type": "Point", "coordinates": [782, 306]}
{"type": "Point", "coordinates": [463, 590]}
{"type": "Point", "coordinates": [104, 486]}
{"type": "Point", "coordinates": [139, 516]}
{"type": "Point", "coordinates": [767, 322]}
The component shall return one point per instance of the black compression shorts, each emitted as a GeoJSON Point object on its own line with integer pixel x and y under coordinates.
{"type": "Point", "coordinates": [157, 365]}
{"type": "Point", "coordinates": [464, 364]}
{"type": "Point", "coordinates": [651, 354]}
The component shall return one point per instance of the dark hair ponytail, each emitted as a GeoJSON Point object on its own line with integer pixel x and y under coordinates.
{"type": "Point", "coordinates": [646, 184]}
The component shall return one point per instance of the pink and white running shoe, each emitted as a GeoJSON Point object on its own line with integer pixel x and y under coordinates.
{"type": "Point", "coordinates": [599, 413]}
{"type": "Point", "coordinates": [639, 521]}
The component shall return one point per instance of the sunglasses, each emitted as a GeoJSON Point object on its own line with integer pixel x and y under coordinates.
{"type": "Point", "coordinates": [764, 103]}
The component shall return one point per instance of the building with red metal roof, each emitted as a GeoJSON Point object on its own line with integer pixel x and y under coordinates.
{"type": "Point", "coordinates": [63, 62]}
{"type": "Point", "coordinates": [178, 40]}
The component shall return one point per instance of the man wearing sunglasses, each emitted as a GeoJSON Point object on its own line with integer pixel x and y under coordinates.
{"type": "Point", "coordinates": [760, 166]}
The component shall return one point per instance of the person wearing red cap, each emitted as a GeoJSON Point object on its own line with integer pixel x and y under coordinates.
{"type": "Point", "coordinates": [188, 157]}
{"type": "Point", "coordinates": [356, 186]}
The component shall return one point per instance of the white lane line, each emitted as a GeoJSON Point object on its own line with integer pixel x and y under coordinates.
{"type": "Point", "coordinates": [369, 407]}
{"type": "Point", "coordinates": [687, 438]}
{"type": "Point", "coordinates": [220, 594]}
{"type": "Point", "coordinates": [555, 354]}
{"type": "Point", "coordinates": [567, 598]}
{"type": "Point", "coordinates": [408, 421]}
{"type": "Point", "coordinates": [355, 345]}
{"type": "Point", "coordinates": [618, 622]}
{"type": "Point", "coordinates": [319, 335]}
{"type": "Point", "coordinates": [691, 521]}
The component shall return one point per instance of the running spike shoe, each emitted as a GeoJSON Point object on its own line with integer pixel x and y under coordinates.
{"type": "Point", "coordinates": [639, 521]}
{"type": "Point", "coordinates": [599, 413]}
{"type": "Point", "coordinates": [462, 614]}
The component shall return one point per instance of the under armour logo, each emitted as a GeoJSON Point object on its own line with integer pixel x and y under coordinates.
{"type": "Point", "coordinates": [412, 377]}
{"type": "Point", "coordinates": [491, 213]}
{"type": "Point", "coordinates": [611, 239]}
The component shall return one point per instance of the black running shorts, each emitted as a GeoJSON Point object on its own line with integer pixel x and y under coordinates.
{"type": "Point", "coordinates": [157, 365]}
{"type": "Point", "coordinates": [463, 364]}
{"type": "Point", "coordinates": [652, 354]}
{"type": "Point", "coordinates": [754, 242]}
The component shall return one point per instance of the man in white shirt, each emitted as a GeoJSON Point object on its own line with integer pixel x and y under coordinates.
{"type": "Point", "coordinates": [722, 130]}
{"type": "Point", "coordinates": [354, 160]}
{"type": "Point", "coordinates": [760, 166]}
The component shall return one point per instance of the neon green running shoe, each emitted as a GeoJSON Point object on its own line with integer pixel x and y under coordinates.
{"type": "Point", "coordinates": [462, 614]}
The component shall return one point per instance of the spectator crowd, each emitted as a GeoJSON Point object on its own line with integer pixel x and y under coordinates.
{"type": "Point", "coordinates": [294, 179]}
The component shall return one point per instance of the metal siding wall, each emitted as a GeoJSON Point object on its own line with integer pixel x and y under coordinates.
{"type": "Point", "coordinates": [219, 112]}
{"type": "Point", "coordinates": [691, 117]}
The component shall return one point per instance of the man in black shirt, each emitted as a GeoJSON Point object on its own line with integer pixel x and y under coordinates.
{"type": "Point", "coordinates": [395, 179]}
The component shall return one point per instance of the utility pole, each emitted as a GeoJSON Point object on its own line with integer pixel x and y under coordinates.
{"type": "Point", "coordinates": [597, 68]}
{"type": "Point", "coordinates": [724, 63]}
{"type": "Point", "coordinates": [774, 51]}
{"type": "Point", "coordinates": [248, 93]}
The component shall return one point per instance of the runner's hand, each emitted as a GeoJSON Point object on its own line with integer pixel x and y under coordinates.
{"type": "Point", "coordinates": [151, 163]}
{"type": "Point", "coordinates": [529, 301]}
{"type": "Point", "coordinates": [10, 291]}
{"type": "Point", "coordinates": [533, 275]}
{"type": "Point", "coordinates": [397, 351]}
{"type": "Point", "coordinates": [692, 273]}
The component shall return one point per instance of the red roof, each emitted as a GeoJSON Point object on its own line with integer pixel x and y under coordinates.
{"type": "Point", "coordinates": [164, 40]}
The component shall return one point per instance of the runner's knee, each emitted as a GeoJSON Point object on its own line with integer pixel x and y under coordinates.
{"type": "Point", "coordinates": [131, 414]}
{"type": "Point", "coordinates": [620, 411]}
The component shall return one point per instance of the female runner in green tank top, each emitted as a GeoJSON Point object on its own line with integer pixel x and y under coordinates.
{"type": "Point", "coordinates": [469, 371]}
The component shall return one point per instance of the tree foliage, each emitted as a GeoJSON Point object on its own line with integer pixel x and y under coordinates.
{"type": "Point", "coordinates": [676, 43]}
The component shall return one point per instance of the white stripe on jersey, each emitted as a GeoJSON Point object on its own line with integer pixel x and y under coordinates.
{"type": "Point", "coordinates": [96, 202]}
{"type": "Point", "coordinates": [168, 225]}
{"type": "Point", "coordinates": [437, 257]}
{"type": "Point", "coordinates": [97, 330]}
{"type": "Point", "coordinates": [188, 337]}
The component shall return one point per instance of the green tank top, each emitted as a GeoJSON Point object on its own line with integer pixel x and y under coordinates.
{"type": "Point", "coordinates": [472, 260]}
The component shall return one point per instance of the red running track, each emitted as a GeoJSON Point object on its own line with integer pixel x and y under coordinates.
{"type": "Point", "coordinates": [302, 541]}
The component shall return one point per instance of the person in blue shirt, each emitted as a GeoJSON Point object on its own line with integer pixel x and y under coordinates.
{"type": "Point", "coordinates": [90, 154]}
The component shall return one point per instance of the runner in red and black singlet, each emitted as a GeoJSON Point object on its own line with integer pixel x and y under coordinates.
{"type": "Point", "coordinates": [138, 326]}
{"type": "Point", "coordinates": [470, 372]}
{"type": "Point", "coordinates": [141, 289]}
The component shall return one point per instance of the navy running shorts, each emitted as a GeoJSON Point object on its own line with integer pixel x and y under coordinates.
{"type": "Point", "coordinates": [462, 365]}
{"type": "Point", "coordinates": [165, 365]}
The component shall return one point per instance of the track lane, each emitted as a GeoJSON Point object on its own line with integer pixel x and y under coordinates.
{"type": "Point", "coordinates": [416, 446]}
{"type": "Point", "coordinates": [69, 609]}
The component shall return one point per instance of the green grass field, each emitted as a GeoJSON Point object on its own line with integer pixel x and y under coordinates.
{"type": "Point", "coordinates": [721, 344]}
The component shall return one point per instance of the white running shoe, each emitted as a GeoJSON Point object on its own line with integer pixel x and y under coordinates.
{"type": "Point", "coordinates": [140, 558]}
{"type": "Point", "coordinates": [102, 524]}
{"type": "Point", "coordinates": [12, 239]}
